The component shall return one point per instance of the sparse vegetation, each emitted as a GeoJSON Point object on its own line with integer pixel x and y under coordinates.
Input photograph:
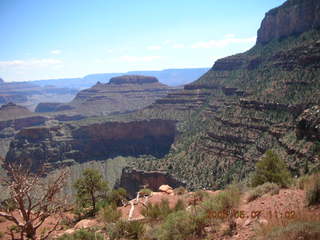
{"type": "Point", "coordinates": [271, 169]}
{"type": "Point", "coordinates": [313, 190]}
{"type": "Point", "coordinates": [180, 191]}
{"type": "Point", "coordinates": [161, 210]}
{"type": "Point", "coordinates": [260, 190]}
{"type": "Point", "coordinates": [110, 213]}
{"type": "Point", "coordinates": [82, 235]}
{"type": "Point", "coordinates": [305, 225]}
{"type": "Point", "coordinates": [223, 201]}
{"type": "Point", "coordinates": [126, 230]}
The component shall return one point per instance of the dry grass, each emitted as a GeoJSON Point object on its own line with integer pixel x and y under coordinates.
{"type": "Point", "coordinates": [302, 225]}
{"type": "Point", "coordinates": [259, 191]}
{"type": "Point", "coordinates": [312, 189]}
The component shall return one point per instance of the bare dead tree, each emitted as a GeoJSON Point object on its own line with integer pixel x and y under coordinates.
{"type": "Point", "coordinates": [36, 199]}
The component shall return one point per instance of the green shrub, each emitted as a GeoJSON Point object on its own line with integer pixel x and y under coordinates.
{"type": "Point", "coordinates": [161, 210]}
{"type": "Point", "coordinates": [82, 235]}
{"type": "Point", "coordinates": [180, 191]}
{"type": "Point", "coordinates": [271, 169]}
{"type": "Point", "coordinates": [313, 190]}
{"type": "Point", "coordinates": [180, 205]}
{"type": "Point", "coordinates": [227, 199]}
{"type": "Point", "coordinates": [145, 192]}
{"type": "Point", "coordinates": [1, 235]}
{"type": "Point", "coordinates": [126, 230]}
{"type": "Point", "coordinates": [89, 189]}
{"type": "Point", "coordinates": [110, 213]}
{"type": "Point", "coordinates": [117, 196]}
{"type": "Point", "coordinates": [260, 190]}
{"type": "Point", "coordinates": [181, 225]}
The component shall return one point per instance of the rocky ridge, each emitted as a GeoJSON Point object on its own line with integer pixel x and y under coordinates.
{"type": "Point", "coordinates": [122, 94]}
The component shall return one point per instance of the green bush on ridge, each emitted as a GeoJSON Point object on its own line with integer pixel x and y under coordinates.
{"type": "Point", "coordinates": [271, 169]}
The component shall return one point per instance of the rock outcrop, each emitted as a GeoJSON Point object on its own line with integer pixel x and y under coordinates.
{"type": "Point", "coordinates": [11, 110]}
{"type": "Point", "coordinates": [308, 125]}
{"type": "Point", "coordinates": [293, 17]}
{"type": "Point", "coordinates": [133, 79]}
{"type": "Point", "coordinates": [134, 180]}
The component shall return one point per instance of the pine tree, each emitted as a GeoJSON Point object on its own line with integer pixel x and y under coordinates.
{"type": "Point", "coordinates": [271, 169]}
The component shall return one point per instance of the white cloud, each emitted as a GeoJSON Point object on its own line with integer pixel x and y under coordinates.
{"type": "Point", "coordinates": [134, 59]}
{"type": "Point", "coordinates": [229, 35]}
{"type": "Point", "coordinates": [30, 62]}
{"type": "Point", "coordinates": [178, 45]}
{"type": "Point", "coordinates": [167, 42]}
{"type": "Point", "coordinates": [154, 48]}
{"type": "Point", "coordinates": [223, 42]}
{"type": "Point", "coordinates": [56, 52]}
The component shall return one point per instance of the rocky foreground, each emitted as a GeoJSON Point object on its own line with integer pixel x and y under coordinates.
{"type": "Point", "coordinates": [249, 221]}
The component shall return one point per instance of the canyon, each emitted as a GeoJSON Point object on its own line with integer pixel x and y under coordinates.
{"type": "Point", "coordinates": [206, 135]}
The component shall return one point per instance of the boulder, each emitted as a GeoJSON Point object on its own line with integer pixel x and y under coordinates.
{"type": "Point", "coordinates": [86, 223]}
{"type": "Point", "coordinates": [166, 188]}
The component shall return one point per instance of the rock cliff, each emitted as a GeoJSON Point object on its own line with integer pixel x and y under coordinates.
{"type": "Point", "coordinates": [66, 144]}
{"type": "Point", "coordinates": [133, 180]}
{"type": "Point", "coordinates": [293, 17]}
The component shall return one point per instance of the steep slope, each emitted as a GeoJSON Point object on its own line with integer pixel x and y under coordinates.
{"type": "Point", "coordinates": [248, 103]}
{"type": "Point", "coordinates": [121, 94]}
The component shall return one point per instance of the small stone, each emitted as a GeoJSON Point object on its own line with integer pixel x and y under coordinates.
{"type": "Point", "coordinates": [69, 231]}
{"type": "Point", "coordinates": [263, 221]}
{"type": "Point", "coordinates": [247, 222]}
{"type": "Point", "coordinates": [86, 223]}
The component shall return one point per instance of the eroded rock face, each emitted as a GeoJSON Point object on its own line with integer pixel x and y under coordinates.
{"type": "Point", "coordinates": [133, 180]}
{"type": "Point", "coordinates": [308, 125]}
{"type": "Point", "coordinates": [68, 144]}
{"type": "Point", "coordinates": [293, 17]}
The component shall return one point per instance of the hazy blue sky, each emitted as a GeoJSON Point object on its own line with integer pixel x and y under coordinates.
{"type": "Point", "coordinates": [43, 39]}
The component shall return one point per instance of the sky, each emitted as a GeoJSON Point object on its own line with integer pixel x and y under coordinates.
{"type": "Point", "coordinates": [45, 39]}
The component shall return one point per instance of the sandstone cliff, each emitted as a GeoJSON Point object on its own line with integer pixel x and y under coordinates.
{"type": "Point", "coordinates": [293, 17]}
